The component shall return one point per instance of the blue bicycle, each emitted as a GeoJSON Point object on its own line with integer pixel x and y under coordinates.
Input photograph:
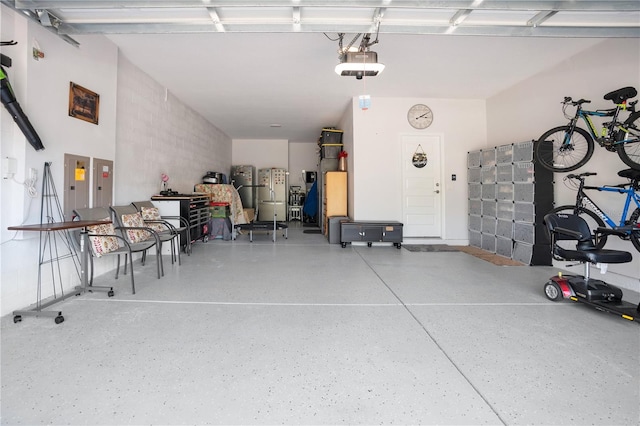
{"type": "Point", "coordinates": [628, 227]}
{"type": "Point", "coordinates": [566, 148]}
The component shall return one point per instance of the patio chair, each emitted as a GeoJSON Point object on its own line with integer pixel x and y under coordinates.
{"type": "Point", "coordinates": [105, 241]}
{"type": "Point", "coordinates": [151, 215]}
{"type": "Point", "coordinates": [128, 221]}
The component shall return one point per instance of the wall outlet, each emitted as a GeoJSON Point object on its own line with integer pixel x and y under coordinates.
{"type": "Point", "coordinates": [33, 174]}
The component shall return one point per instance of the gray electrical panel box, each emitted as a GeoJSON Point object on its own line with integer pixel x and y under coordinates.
{"type": "Point", "coordinates": [102, 182]}
{"type": "Point", "coordinates": [76, 184]}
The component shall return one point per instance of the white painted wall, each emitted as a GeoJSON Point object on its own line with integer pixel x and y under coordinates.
{"type": "Point", "coordinates": [43, 92]}
{"type": "Point", "coordinates": [376, 163]}
{"type": "Point", "coordinates": [528, 109]}
{"type": "Point", "coordinates": [143, 129]}
{"type": "Point", "coordinates": [262, 153]}
{"type": "Point", "coordinates": [302, 156]}
{"type": "Point", "coordinates": [157, 133]}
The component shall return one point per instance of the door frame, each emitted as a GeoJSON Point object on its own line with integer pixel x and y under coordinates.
{"type": "Point", "coordinates": [440, 137]}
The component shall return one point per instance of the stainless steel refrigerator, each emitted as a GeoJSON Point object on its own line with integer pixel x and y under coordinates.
{"type": "Point", "coordinates": [244, 176]}
{"type": "Point", "coordinates": [272, 194]}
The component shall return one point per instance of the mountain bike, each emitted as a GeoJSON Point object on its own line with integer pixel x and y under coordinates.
{"type": "Point", "coordinates": [585, 207]}
{"type": "Point", "coordinates": [566, 148]}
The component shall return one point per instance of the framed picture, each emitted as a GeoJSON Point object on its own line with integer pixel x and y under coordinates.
{"type": "Point", "coordinates": [83, 103]}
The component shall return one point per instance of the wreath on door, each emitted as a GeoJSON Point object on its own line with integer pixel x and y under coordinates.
{"type": "Point", "coordinates": [419, 158]}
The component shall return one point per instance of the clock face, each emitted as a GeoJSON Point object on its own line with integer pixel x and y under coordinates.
{"type": "Point", "coordinates": [420, 116]}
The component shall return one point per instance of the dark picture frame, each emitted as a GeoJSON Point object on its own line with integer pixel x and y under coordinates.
{"type": "Point", "coordinates": [83, 103]}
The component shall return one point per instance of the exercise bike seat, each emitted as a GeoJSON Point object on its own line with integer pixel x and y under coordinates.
{"type": "Point", "coordinates": [563, 226]}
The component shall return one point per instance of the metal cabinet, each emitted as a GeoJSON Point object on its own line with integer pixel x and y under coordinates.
{"type": "Point", "coordinates": [193, 209]}
{"type": "Point", "coordinates": [371, 232]}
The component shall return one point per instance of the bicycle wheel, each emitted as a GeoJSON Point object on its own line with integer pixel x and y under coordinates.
{"type": "Point", "coordinates": [553, 154]}
{"type": "Point", "coordinates": [635, 236]}
{"type": "Point", "coordinates": [629, 153]}
{"type": "Point", "coordinates": [592, 219]}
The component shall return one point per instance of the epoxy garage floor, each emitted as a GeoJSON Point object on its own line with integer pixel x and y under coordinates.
{"type": "Point", "coordinates": [304, 332]}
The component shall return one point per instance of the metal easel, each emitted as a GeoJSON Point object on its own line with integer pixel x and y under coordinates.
{"type": "Point", "coordinates": [53, 230]}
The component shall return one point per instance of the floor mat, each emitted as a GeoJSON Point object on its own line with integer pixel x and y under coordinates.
{"type": "Point", "coordinates": [496, 259]}
{"type": "Point", "coordinates": [312, 231]}
{"type": "Point", "coordinates": [428, 247]}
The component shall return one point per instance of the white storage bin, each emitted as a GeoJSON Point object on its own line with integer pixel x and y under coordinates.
{"type": "Point", "coordinates": [504, 210]}
{"type": "Point", "coordinates": [504, 154]}
{"type": "Point", "coordinates": [489, 243]}
{"type": "Point", "coordinates": [473, 159]}
{"type": "Point", "coordinates": [488, 157]}
{"type": "Point", "coordinates": [489, 208]}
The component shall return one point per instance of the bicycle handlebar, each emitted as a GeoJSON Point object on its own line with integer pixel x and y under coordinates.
{"type": "Point", "coordinates": [569, 100]}
{"type": "Point", "coordinates": [580, 176]}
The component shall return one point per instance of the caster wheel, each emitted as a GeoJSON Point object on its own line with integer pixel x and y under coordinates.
{"type": "Point", "coordinates": [59, 319]}
{"type": "Point", "coordinates": [553, 291]}
{"type": "Point", "coordinates": [344, 245]}
{"type": "Point", "coordinates": [205, 239]}
{"type": "Point", "coordinates": [110, 293]}
{"type": "Point", "coordinates": [17, 319]}
{"type": "Point", "coordinates": [398, 245]}
{"type": "Point", "coordinates": [369, 244]}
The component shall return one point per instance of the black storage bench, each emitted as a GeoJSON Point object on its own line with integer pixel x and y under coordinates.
{"type": "Point", "coordinates": [371, 232]}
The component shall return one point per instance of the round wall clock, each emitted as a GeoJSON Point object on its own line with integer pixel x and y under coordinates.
{"type": "Point", "coordinates": [420, 116]}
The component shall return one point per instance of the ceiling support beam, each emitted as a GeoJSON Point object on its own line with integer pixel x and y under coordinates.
{"type": "Point", "coordinates": [216, 19]}
{"type": "Point", "coordinates": [575, 5]}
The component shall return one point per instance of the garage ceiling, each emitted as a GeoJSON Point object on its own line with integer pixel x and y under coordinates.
{"type": "Point", "coordinates": [249, 65]}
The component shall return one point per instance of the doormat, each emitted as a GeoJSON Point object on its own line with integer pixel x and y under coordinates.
{"type": "Point", "coordinates": [428, 247]}
{"type": "Point", "coordinates": [496, 259]}
{"type": "Point", "coordinates": [312, 231]}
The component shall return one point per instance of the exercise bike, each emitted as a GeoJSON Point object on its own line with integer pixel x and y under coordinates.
{"type": "Point", "coordinates": [593, 292]}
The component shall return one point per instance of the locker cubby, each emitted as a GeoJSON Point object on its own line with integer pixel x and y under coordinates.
{"type": "Point", "coordinates": [504, 246]}
{"type": "Point", "coordinates": [489, 191]}
{"type": "Point", "coordinates": [475, 223]}
{"type": "Point", "coordinates": [504, 210]}
{"type": "Point", "coordinates": [475, 191]}
{"type": "Point", "coordinates": [515, 194]}
{"type": "Point", "coordinates": [523, 172]}
{"type": "Point", "coordinates": [504, 192]}
{"type": "Point", "coordinates": [473, 159]}
{"type": "Point", "coordinates": [523, 151]}
{"type": "Point", "coordinates": [475, 238]}
{"type": "Point", "coordinates": [489, 208]}
{"type": "Point", "coordinates": [523, 192]}
{"type": "Point", "coordinates": [488, 158]}
{"type": "Point", "coordinates": [504, 154]}
{"type": "Point", "coordinates": [489, 174]}
{"type": "Point", "coordinates": [489, 225]}
{"type": "Point", "coordinates": [475, 207]}
{"type": "Point", "coordinates": [524, 212]}
{"type": "Point", "coordinates": [474, 175]}
{"type": "Point", "coordinates": [488, 242]}
{"type": "Point", "coordinates": [504, 173]}
{"type": "Point", "coordinates": [523, 253]}
{"type": "Point", "coordinates": [504, 229]}
{"type": "Point", "coordinates": [524, 232]}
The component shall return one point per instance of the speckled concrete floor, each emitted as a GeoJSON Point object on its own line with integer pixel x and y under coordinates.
{"type": "Point", "coordinates": [303, 332]}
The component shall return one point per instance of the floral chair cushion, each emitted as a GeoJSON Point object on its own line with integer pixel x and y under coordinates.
{"type": "Point", "coordinates": [135, 220]}
{"type": "Point", "coordinates": [103, 245]}
{"type": "Point", "coordinates": [153, 214]}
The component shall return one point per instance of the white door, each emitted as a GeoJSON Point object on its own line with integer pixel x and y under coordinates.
{"type": "Point", "coordinates": [421, 187]}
